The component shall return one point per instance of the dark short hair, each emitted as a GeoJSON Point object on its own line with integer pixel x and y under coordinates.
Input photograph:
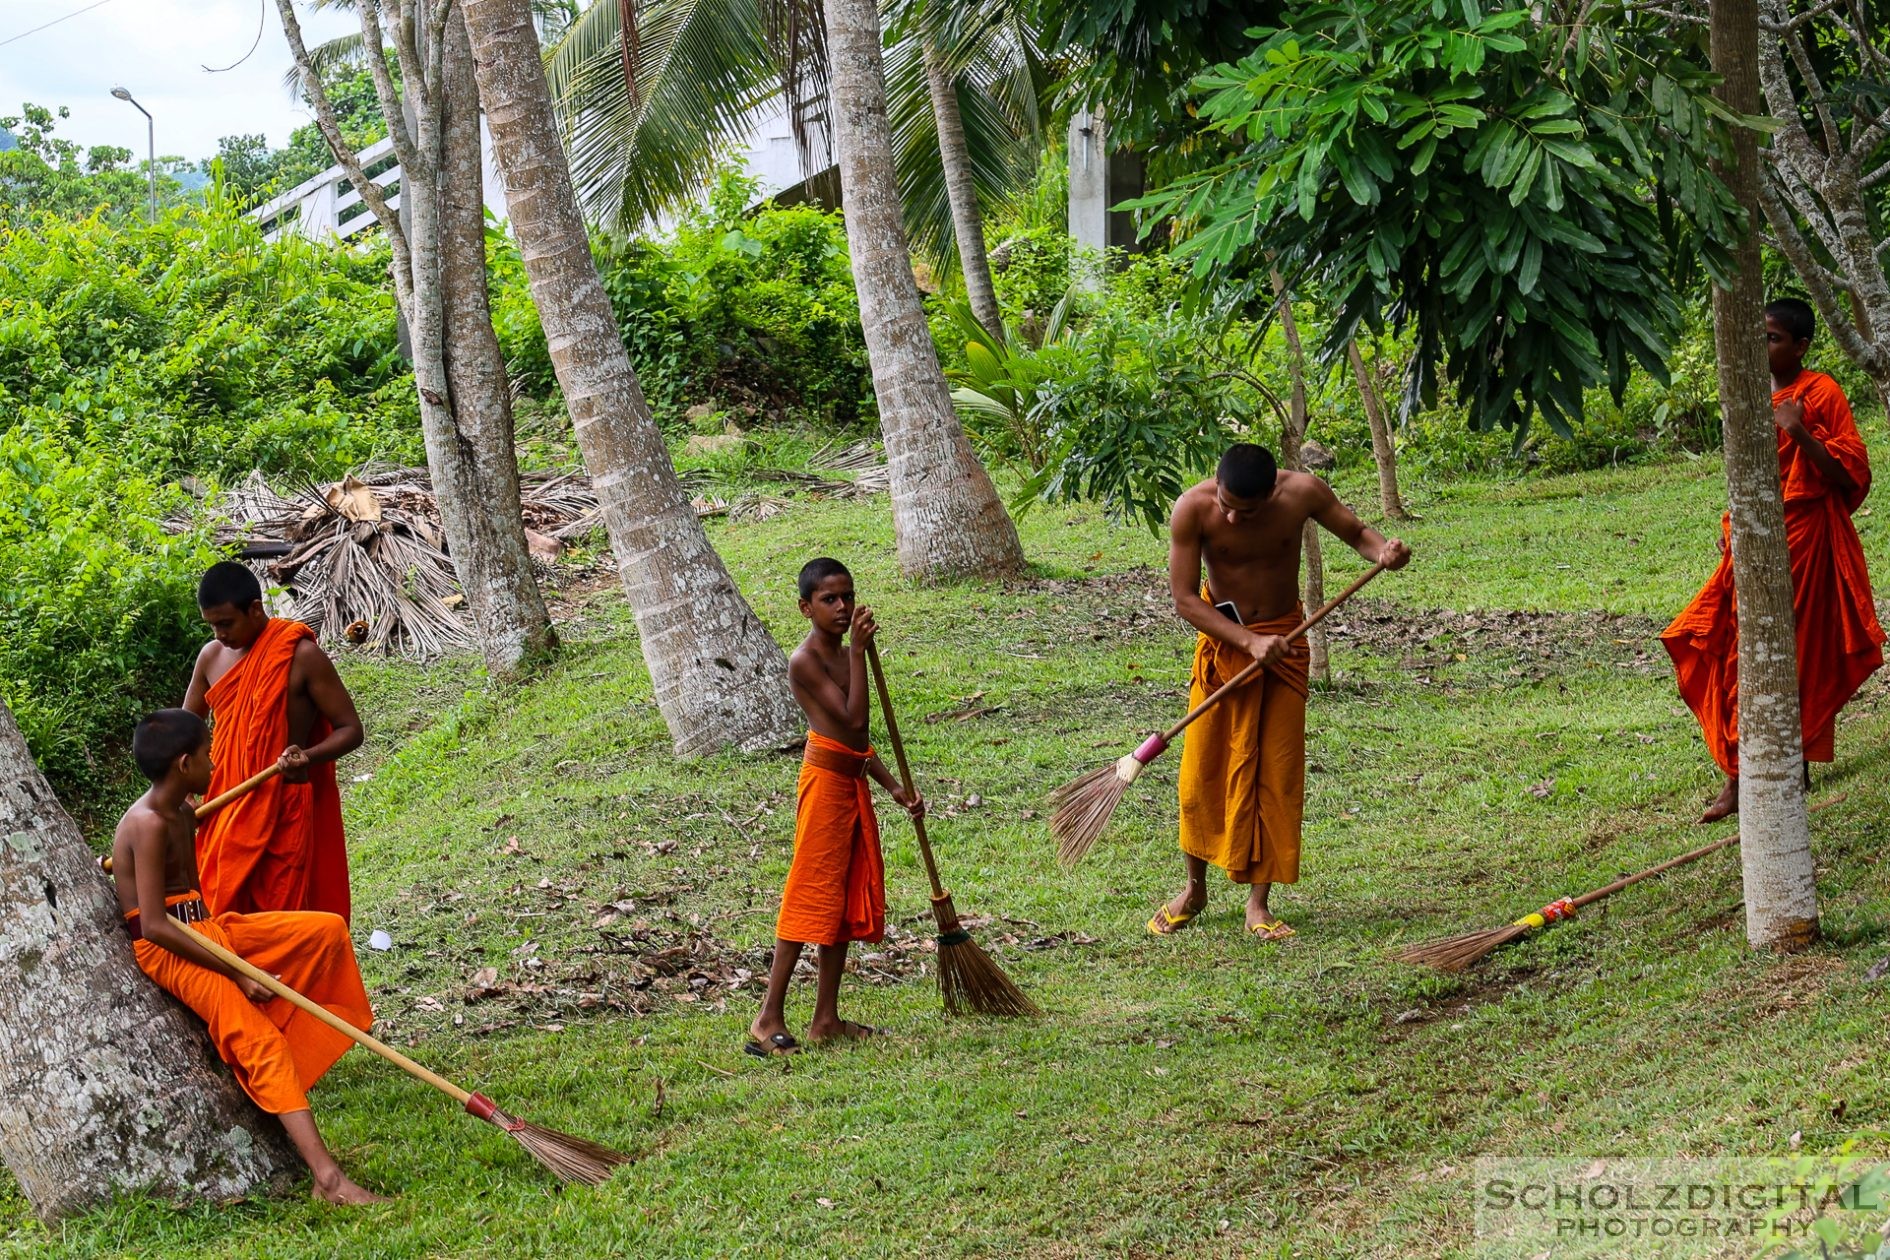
{"type": "Point", "coordinates": [227, 582]}
{"type": "Point", "coordinates": [165, 736]}
{"type": "Point", "coordinates": [1795, 316]}
{"type": "Point", "coordinates": [1247, 471]}
{"type": "Point", "coordinates": [818, 570]}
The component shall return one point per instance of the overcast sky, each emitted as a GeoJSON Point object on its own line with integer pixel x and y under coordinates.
{"type": "Point", "coordinates": [157, 49]}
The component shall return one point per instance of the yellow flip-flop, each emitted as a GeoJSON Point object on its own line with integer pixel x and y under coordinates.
{"type": "Point", "coordinates": [1278, 930]}
{"type": "Point", "coordinates": [1163, 923]}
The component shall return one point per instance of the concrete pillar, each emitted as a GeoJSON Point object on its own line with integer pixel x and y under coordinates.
{"type": "Point", "coordinates": [1100, 178]}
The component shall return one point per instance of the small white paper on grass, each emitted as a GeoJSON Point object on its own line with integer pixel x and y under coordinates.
{"type": "Point", "coordinates": [363, 778]}
{"type": "Point", "coordinates": [380, 940]}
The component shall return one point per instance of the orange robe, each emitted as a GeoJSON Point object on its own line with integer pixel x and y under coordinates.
{"type": "Point", "coordinates": [276, 1051]}
{"type": "Point", "coordinates": [1839, 639]}
{"type": "Point", "coordinates": [836, 886]}
{"type": "Point", "coordinates": [1243, 762]}
{"type": "Point", "coordinates": [280, 847]}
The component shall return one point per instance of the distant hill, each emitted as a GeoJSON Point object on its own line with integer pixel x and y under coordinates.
{"type": "Point", "coordinates": [7, 141]}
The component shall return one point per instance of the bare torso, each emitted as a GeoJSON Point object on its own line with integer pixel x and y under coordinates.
{"type": "Point", "coordinates": [179, 829]}
{"type": "Point", "coordinates": [835, 665]}
{"type": "Point", "coordinates": [1255, 562]}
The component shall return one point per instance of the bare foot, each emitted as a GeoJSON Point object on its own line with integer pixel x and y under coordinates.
{"type": "Point", "coordinates": [819, 1034]}
{"type": "Point", "coordinates": [766, 1027]}
{"type": "Point", "coordinates": [339, 1188]}
{"type": "Point", "coordinates": [1725, 804]}
{"type": "Point", "coordinates": [1189, 902]}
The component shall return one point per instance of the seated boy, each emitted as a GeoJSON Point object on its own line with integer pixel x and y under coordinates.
{"type": "Point", "coordinates": [276, 1050]}
{"type": "Point", "coordinates": [836, 887]}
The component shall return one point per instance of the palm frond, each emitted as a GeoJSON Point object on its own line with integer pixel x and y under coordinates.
{"type": "Point", "coordinates": [349, 51]}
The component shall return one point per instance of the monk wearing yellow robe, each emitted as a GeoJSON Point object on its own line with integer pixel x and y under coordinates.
{"type": "Point", "coordinates": [1824, 474]}
{"type": "Point", "coordinates": [836, 886]}
{"type": "Point", "coordinates": [276, 1050]}
{"type": "Point", "coordinates": [1243, 762]}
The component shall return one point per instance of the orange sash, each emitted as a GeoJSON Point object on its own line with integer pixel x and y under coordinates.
{"type": "Point", "coordinates": [280, 847]}
{"type": "Point", "coordinates": [1839, 639]}
{"type": "Point", "coordinates": [836, 886]}
{"type": "Point", "coordinates": [1243, 762]}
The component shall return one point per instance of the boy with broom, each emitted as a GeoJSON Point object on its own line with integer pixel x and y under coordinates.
{"type": "Point", "coordinates": [1243, 765]}
{"type": "Point", "coordinates": [276, 1050]}
{"type": "Point", "coordinates": [836, 886]}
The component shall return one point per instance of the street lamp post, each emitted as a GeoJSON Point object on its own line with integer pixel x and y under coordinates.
{"type": "Point", "coordinates": [150, 128]}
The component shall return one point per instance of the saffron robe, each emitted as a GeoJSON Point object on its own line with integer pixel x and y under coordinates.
{"type": "Point", "coordinates": [1243, 762]}
{"type": "Point", "coordinates": [836, 885]}
{"type": "Point", "coordinates": [1839, 639]}
{"type": "Point", "coordinates": [280, 847]}
{"type": "Point", "coordinates": [276, 1050]}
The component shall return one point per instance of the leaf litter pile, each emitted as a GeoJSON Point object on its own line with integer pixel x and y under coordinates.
{"type": "Point", "coordinates": [365, 560]}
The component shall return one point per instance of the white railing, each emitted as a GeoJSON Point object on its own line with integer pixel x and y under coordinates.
{"type": "Point", "coordinates": [320, 208]}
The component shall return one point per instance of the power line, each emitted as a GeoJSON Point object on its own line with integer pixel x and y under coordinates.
{"type": "Point", "coordinates": [56, 21]}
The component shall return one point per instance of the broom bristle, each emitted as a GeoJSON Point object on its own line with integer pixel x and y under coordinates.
{"type": "Point", "coordinates": [969, 978]}
{"type": "Point", "coordinates": [1083, 809]}
{"type": "Point", "coordinates": [571, 1158]}
{"type": "Point", "coordinates": [1454, 953]}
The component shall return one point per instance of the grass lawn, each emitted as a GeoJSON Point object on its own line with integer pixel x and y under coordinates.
{"type": "Point", "coordinates": [580, 925]}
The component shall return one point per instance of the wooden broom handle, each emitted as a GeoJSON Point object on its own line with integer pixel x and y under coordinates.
{"type": "Point", "coordinates": [238, 964]}
{"type": "Point", "coordinates": [905, 770]}
{"type": "Point", "coordinates": [217, 802]}
{"type": "Point", "coordinates": [254, 781]}
{"type": "Point", "coordinates": [1589, 898]}
{"type": "Point", "coordinates": [1169, 734]}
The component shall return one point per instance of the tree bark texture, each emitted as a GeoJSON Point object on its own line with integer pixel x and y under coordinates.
{"type": "Point", "coordinates": [967, 220]}
{"type": "Point", "coordinates": [1774, 833]}
{"type": "Point", "coordinates": [1312, 585]}
{"type": "Point", "coordinates": [439, 281]}
{"type": "Point", "coordinates": [947, 517]}
{"type": "Point", "coordinates": [1384, 452]}
{"type": "Point", "coordinates": [107, 1085]}
{"type": "Point", "coordinates": [719, 676]}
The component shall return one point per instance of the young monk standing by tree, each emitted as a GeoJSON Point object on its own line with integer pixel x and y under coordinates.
{"type": "Point", "coordinates": [275, 697]}
{"type": "Point", "coordinates": [1824, 474]}
{"type": "Point", "coordinates": [836, 887]}
{"type": "Point", "coordinates": [276, 1050]}
{"type": "Point", "coordinates": [1243, 765]}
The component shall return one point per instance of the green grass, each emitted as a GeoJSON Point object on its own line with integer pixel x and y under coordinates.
{"type": "Point", "coordinates": [1200, 1095]}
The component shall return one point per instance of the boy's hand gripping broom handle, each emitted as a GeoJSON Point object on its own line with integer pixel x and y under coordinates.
{"type": "Point", "coordinates": [237, 964]}
{"type": "Point", "coordinates": [905, 770]}
{"type": "Point", "coordinates": [217, 802]}
{"type": "Point", "coordinates": [1131, 765]}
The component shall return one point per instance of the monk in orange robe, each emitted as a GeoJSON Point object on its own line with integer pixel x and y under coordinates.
{"type": "Point", "coordinates": [274, 697]}
{"type": "Point", "coordinates": [276, 1050]}
{"type": "Point", "coordinates": [1824, 473]}
{"type": "Point", "coordinates": [1243, 763]}
{"type": "Point", "coordinates": [836, 885]}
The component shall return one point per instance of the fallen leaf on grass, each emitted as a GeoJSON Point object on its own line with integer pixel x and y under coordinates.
{"type": "Point", "coordinates": [1879, 969]}
{"type": "Point", "coordinates": [1543, 788]}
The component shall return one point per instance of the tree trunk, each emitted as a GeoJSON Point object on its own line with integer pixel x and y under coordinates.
{"type": "Point", "coordinates": [947, 516]}
{"type": "Point", "coordinates": [465, 407]}
{"type": "Point", "coordinates": [1774, 834]}
{"type": "Point", "coordinates": [967, 220]}
{"type": "Point", "coordinates": [1384, 454]}
{"type": "Point", "coordinates": [482, 515]}
{"type": "Point", "coordinates": [107, 1085]}
{"type": "Point", "coordinates": [720, 678]}
{"type": "Point", "coordinates": [1313, 577]}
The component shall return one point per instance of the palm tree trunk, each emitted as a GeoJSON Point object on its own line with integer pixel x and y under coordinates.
{"type": "Point", "coordinates": [106, 1085]}
{"type": "Point", "coordinates": [1313, 576]}
{"type": "Point", "coordinates": [967, 221]}
{"type": "Point", "coordinates": [719, 677]}
{"type": "Point", "coordinates": [947, 516]}
{"type": "Point", "coordinates": [1384, 454]}
{"type": "Point", "coordinates": [1774, 833]}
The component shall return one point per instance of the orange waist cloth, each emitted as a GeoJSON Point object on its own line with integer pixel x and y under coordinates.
{"type": "Point", "coordinates": [1243, 762]}
{"type": "Point", "coordinates": [1839, 640]}
{"type": "Point", "coordinates": [836, 886]}
{"type": "Point", "coordinates": [276, 1051]}
{"type": "Point", "coordinates": [280, 847]}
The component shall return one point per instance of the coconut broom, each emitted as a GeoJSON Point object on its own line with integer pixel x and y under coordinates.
{"type": "Point", "coordinates": [1084, 805]}
{"type": "Point", "coordinates": [571, 1158]}
{"type": "Point", "coordinates": [1456, 953]}
{"type": "Point", "coordinates": [967, 976]}
{"type": "Point", "coordinates": [217, 802]}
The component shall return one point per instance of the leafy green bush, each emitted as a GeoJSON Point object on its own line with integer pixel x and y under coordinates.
{"type": "Point", "coordinates": [98, 622]}
{"type": "Point", "coordinates": [756, 311]}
